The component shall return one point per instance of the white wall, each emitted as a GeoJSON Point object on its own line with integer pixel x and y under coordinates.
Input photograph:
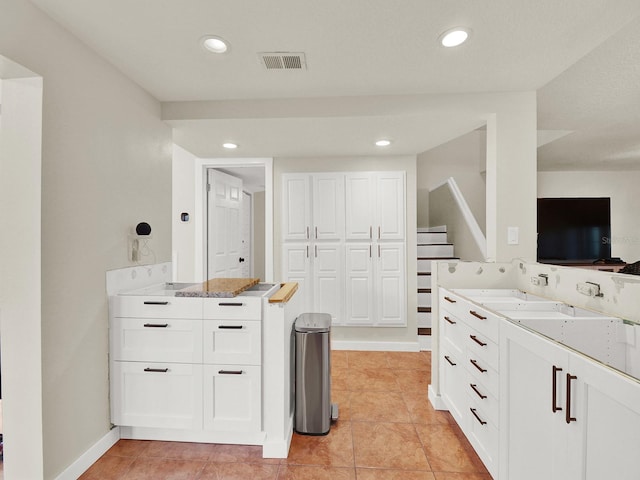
{"type": "Point", "coordinates": [183, 191]}
{"type": "Point", "coordinates": [621, 187]}
{"type": "Point", "coordinates": [346, 164]}
{"type": "Point", "coordinates": [106, 165]}
{"type": "Point", "coordinates": [463, 159]}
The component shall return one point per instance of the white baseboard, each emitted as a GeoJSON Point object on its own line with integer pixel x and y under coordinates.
{"type": "Point", "coordinates": [375, 346]}
{"type": "Point", "coordinates": [279, 449]}
{"type": "Point", "coordinates": [88, 458]}
{"type": "Point", "coordinates": [435, 399]}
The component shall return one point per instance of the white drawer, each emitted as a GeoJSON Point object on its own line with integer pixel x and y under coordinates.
{"type": "Point", "coordinates": [483, 399]}
{"type": "Point", "coordinates": [454, 330]}
{"type": "Point", "coordinates": [483, 347]}
{"type": "Point", "coordinates": [232, 341]}
{"type": "Point", "coordinates": [236, 308]}
{"type": "Point", "coordinates": [156, 306]}
{"type": "Point", "coordinates": [156, 340]}
{"type": "Point", "coordinates": [484, 437]}
{"type": "Point", "coordinates": [485, 374]}
{"type": "Point", "coordinates": [475, 316]}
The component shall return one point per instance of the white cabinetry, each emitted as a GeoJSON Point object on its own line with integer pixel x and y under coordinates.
{"type": "Point", "coordinates": [349, 256]}
{"type": "Point", "coordinates": [566, 416]}
{"type": "Point", "coordinates": [469, 368]}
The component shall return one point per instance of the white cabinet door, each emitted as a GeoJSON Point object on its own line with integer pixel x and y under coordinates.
{"type": "Point", "coordinates": [536, 440]}
{"type": "Point", "coordinates": [232, 341]}
{"type": "Point", "coordinates": [359, 284]}
{"type": "Point", "coordinates": [232, 398]}
{"type": "Point", "coordinates": [454, 378]}
{"type": "Point", "coordinates": [167, 395]}
{"type": "Point", "coordinates": [296, 267]}
{"type": "Point", "coordinates": [389, 287]}
{"type": "Point", "coordinates": [328, 206]}
{"type": "Point", "coordinates": [328, 278]}
{"type": "Point", "coordinates": [390, 206]}
{"type": "Point", "coordinates": [607, 409]}
{"type": "Point", "coordinates": [359, 206]}
{"type": "Point", "coordinates": [296, 206]}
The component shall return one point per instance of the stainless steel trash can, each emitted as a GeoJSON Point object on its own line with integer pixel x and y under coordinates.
{"type": "Point", "coordinates": [313, 374]}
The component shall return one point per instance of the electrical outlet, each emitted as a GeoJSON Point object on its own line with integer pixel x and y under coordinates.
{"type": "Point", "coordinates": [542, 280]}
{"type": "Point", "coordinates": [589, 289]}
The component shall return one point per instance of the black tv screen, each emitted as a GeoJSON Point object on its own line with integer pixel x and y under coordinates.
{"type": "Point", "coordinates": [574, 229]}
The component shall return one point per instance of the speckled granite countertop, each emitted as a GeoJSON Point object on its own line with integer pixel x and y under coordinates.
{"type": "Point", "coordinates": [218, 288]}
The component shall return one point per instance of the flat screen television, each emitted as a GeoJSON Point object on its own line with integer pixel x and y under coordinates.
{"type": "Point", "coordinates": [572, 230]}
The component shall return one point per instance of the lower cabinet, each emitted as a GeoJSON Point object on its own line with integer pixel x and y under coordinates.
{"type": "Point", "coordinates": [565, 416]}
{"type": "Point", "coordinates": [232, 398]}
{"type": "Point", "coordinates": [163, 395]}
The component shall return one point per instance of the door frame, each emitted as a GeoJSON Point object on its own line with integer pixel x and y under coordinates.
{"type": "Point", "coordinates": [200, 209]}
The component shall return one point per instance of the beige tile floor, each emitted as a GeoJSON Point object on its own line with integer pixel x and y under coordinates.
{"type": "Point", "coordinates": [387, 431]}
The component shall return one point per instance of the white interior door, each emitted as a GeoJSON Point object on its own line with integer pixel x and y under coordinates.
{"type": "Point", "coordinates": [246, 260]}
{"type": "Point", "coordinates": [224, 225]}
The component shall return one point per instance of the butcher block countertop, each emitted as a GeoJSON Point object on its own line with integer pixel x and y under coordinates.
{"type": "Point", "coordinates": [219, 288]}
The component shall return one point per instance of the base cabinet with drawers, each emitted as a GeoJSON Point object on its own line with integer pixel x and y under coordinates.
{"type": "Point", "coordinates": [187, 363]}
{"type": "Point", "coordinates": [531, 407]}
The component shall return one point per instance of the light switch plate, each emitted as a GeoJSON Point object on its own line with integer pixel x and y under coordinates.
{"type": "Point", "coordinates": [512, 235]}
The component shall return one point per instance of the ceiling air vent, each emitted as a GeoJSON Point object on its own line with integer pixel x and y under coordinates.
{"type": "Point", "coordinates": [283, 60]}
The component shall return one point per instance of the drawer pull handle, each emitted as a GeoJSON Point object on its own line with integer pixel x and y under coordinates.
{"type": "Point", "coordinates": [446, 357]}
{"type": "Point", "coordinates": [477, 315]}
{"type": "Point", "coordinates": [450, 300]}
{"type": "Point", "coordinates": [230, 327]}
{"type": "Point", "coordinates": [475, 389]}
{"type": "Point", "coordinates": [231, 304]}
{"type": "Point", "coordinates": [479, 342]}
{"type": "Point", "coordinates": [475, 364]}
{"type": "Point", "coordinates": [450, 321]}
{"type": "Point", "coordinates": [230, 372]}
{"type": "Point", "coordinates": [482, 422]}
{"type": "Point", "coordinates": [156, 303]}
{"type": "Point", "coordinates": [156, 370]}
{"type": "Point", "coordinates": [569, 418]}
{"type": "Point", "coordinates": [156, 325]}
{"type": "Point", "coordinates": [554, 389]}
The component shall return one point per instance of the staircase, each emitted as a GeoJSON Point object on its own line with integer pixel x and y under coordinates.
{"type": "Point", "coordinates": [432, 245]}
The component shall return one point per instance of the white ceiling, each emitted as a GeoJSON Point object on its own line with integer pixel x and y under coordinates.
{"type": "Point", "coordinates": [582, 56]}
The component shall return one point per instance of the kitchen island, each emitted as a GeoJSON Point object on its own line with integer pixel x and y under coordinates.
{"type": "Point", "coordinates": [206, 362]}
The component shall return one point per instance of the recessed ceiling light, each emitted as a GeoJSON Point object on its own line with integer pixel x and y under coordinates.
{"type": "Point", "coordinates": [454, 37]}
{"type": "Point", "coordinates": [383, 143]}
{"type": "Point", "coordinates": [215, 44]}
{"type": "Point", "coordinates": [230, 146]}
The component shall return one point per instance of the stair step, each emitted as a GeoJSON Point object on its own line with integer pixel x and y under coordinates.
{"type": "Point", "coordinates": [424, 290]}
{"type": "Point", "coordinates": [424, 331]}
{"type": "Point", "coordinates": [436, 250]}
{"type": "Point", "coordinates": [439, 228]}
{"type": "Point", "coordinates": [424, 309]}
{"type": "Point", "coordinates": [432, 237]}
{"type": "Point", "coordinates": [424, 318]}
{"type": "Point", "coordinates": [424, 280]}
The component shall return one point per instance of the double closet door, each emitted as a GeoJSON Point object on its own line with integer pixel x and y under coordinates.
{"type": "Point", "coordinates": [344, 243]}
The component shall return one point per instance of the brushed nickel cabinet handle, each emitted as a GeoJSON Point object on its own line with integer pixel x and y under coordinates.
{"type": "Point", "coordinates": [307, 233]}
{"type": "Point", "coordinates": [316, 233]}
{"type": "Point", "coordinates": [446, 357]}
{"type": "Point", "coordinates": [554, 388]}
{"type": "Point", "coordinates": [475, 364]}
{"type": "Point", "coordinates": [449, 320]}
{"type": "Point", "coordinates": [156, 303]}
{"type": "Point", "coordinates": [156, 325]}
{"type": "Point", "coordinates": [479, 342]}
{"type": "Point", "coordinates": [230, 372]}
{"type": "Point", "coordinates": [450, 300]}
{"type": "Point", "coordinates": [370, 232]}
{"type": "Point", "coordinates": [477, 315]}
{"type": "Point", "coordinates": [156, 370]}
{"type": "Point", "coordinates": [378, 233]}
{"type": "Point", "coordinates": [568, 417]}
{"type": "Point", "coordinates": [475, 389]}
{"type": "Point", "coordinates": [482, 422]}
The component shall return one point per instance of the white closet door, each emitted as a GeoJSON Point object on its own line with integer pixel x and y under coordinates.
{"type": "Point", "coordinates": [296, 267]}
{"type": "Point", "coordinates": [390, 284]}
{"type": "Point", "coordinates": [390, 206]}
{"type": "Point", "coordinates": [328, 280]}
{"type": "Point", "coordinates": [296, 207]}
{"type": "Point", "coordinates": [328, 206]}
{"type": "Point", "coordinates": [359, 206]}
{"type": "Point", "coordinates": [359, 284]}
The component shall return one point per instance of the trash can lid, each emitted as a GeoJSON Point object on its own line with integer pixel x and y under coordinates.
{"type": "Point", "coordinates": [313, 322]}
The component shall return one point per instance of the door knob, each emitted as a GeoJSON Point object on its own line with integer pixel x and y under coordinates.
{"type": "Point", "coordinates": [241, 259]}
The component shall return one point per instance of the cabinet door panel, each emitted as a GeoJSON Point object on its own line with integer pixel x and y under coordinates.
{"type": "Point", "coordinates": [359, 284]}
{"type": "Point", "coordinates": [390, 287]}
{"type": "Point", "coordinates": [453, 382]}
{"type": "Point", "coordinates": [157, 395]}
{"type": "Point", "coordinates": [328, 206]}
{"type": "Point", "coordinates": [390, 202]}
{"type": "Point", "coordinates": [296, 207]}
{"type": "Point", "coordinates": [232, 398]}
{"type": "Point", "coordinates": [359, 206]}
{"type": "Point", "coordinates": [296, 267]}
{"type": "Point", "coordinates": [328, 280]}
